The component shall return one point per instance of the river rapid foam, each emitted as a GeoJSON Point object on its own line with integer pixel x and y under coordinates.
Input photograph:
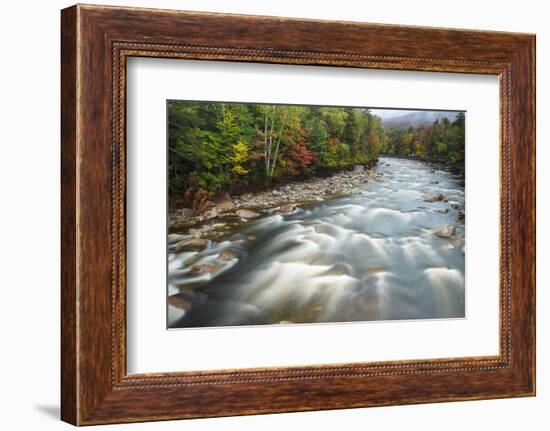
{"type": "Point", "coordinates": [370, 256]}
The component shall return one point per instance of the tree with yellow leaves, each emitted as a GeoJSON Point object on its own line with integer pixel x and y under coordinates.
{"type": "Point", "coordinates": [240, 157]}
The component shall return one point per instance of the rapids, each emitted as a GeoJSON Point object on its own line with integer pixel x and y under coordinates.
{"type": "Point", "coordinates": [369, 256]}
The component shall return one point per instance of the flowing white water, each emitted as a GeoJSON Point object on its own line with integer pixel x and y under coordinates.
{"type": "Point", "coordinates": [370, 256]}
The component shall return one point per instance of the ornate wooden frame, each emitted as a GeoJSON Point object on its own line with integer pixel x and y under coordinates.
{"type": "Point", "coordinates": [95, 42]}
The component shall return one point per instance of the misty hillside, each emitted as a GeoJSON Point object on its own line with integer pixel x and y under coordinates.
{"type": "Point", "coordinates": [417, 119]}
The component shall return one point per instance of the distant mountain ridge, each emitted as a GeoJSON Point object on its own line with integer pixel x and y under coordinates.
{"type": "Point", "coordinates": [418, 119]}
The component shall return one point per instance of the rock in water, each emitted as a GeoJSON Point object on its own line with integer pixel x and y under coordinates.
{"type": "Point", "coordinates": [186, 300]}
{"type": "Point", "coordinates": [179, 301]}
{"type": "Point", "coordinates": [191, 244]}
{"type": "Point", "coordinates": [436, 198]}
{"type": "Point", "coordinates": [287, 209]}
{"type": "Point", "coordinates": [227, 255]}
{"type": "Point", "coordinates": [445, 231]}
{"type": "Point", "coordinates": [175, 237]}
{"type": "Point", "coordinates": [204, 268]}
{"type": "Point", "coordinates": [244, 213]}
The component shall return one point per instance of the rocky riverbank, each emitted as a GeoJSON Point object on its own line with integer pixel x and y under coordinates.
{"type": "Point", "coordinates": [226, 211]}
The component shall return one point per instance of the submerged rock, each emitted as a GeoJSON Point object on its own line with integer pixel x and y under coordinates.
{"type": "Point", "coordinates": [192, 260]}
{"type": "Point", "coordinates": [375, 270]}
{"type": "Point", "coordinates": [445, 231]}
{"type": "Point", "coordinates": [436, 198]}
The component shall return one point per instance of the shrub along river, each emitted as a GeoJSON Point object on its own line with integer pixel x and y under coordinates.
{"type": "Point", "coordinates": [395, 250]}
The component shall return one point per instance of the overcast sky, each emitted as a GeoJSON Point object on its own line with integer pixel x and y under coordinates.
{"type": "Point", "coordinates": [392, 113]}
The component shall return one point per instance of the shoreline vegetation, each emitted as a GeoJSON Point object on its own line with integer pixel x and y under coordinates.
{"type": "Point", "coordinates": [228, 162]}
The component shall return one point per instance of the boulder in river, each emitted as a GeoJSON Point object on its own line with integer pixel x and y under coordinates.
{"type": "Point", "coordinates": [175, 237]}
{"type": "Point", "coordinates": [194, 232]}
{"type": "Point", "coordinates": [436, 198]}
{"type": "Point", "coordinates": [444, 231]}
{"type": "Point", "coordinates": [287, 209]}
{"type": "Point", "coordinates": [191, 244]}
{"type": "Point", "coordinates": [227, 255]}
{"type": "Point", "coordinates": [179, 301]}
{"type": "Point", "coordinates": [244, 213]}
{"type": "Point", "coordinates": [204, 268]}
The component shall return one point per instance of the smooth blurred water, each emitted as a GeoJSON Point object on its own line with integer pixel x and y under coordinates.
{"type": "Point", "coordinates": [370, 256]}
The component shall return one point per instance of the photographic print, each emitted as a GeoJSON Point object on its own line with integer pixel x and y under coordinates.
{"type": "Point", "coordinates": [290, 214]}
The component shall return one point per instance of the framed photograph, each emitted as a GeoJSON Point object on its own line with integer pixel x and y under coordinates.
{"type": "Point", "coordinates": [263, 214]}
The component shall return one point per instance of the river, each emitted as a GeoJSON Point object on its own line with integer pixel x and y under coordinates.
{"type": "Point", "coordinates": [374, 255]}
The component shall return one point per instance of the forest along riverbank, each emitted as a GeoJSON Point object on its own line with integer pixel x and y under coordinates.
{"type": "Point", "coordinates": [392, 249]}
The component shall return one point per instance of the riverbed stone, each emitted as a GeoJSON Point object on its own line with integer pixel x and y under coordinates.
{"type": "Point", "coordinates": [436, 198]}
{"type": "Point", "coordinates": [210, 214]}
{"type": "Point", "coordinates": [175, 237]}
{"type": "Point", "coordinates": [191, 244]}
{"type": "Point", "coordinates": [227, 255]}
{"type": "Point", "coordinates": [186, 213]}
{"type": "Point", "coordinates": [444, 231]}
{"type": "Point", "coordinates": [287, 209]}
{"type": "Point", "coordinates": [180, 301]}
{"type": "Point", "coordinates": [194, 232]}
{"type": "Point", "coordinates": [204, 268]}
{"type": "Point", "coordinates": [224, 203]}
{"type": "Point", "coordinates": [245, 213]}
